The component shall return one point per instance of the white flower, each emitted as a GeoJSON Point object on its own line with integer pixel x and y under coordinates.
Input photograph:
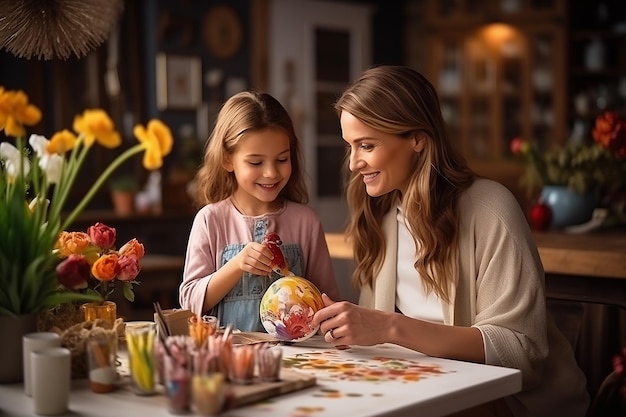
{"type": "Point", "coordinates": [50, 163]}
{"type": "Point", "coordinates": [11, 156]}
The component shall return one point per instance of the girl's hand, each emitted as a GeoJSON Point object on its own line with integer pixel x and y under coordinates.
{"type": "Point", "coordinates": [254, 258]}
{"type": "Point", "coordinates": [344, 323]}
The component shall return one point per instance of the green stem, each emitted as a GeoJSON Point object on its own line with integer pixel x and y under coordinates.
{"type": "Point", "coordinates": [100, 181]}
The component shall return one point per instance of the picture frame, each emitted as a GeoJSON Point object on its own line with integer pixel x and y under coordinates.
{"type": "Point", "coordinates": [179, 82]}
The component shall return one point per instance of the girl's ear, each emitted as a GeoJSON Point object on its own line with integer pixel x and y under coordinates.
{"type": "Point", "coordinates": [420, 142]}
{"type": "Point", "coordinates": [228, 164]}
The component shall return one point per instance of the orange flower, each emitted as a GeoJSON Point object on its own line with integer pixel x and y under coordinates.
{"type": "Point", "coordinates": [72, 243]}
{"type": "Point", "coordinates": [610, 132]}
{"type": "Point", "coordinates": [105, 268]}
{"type": "Point", "coordinates": [132, 247]}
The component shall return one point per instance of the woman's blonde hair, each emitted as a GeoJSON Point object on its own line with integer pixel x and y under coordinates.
{"type": "Point", "coordinates": [244, 113]}
{"type": "Point", "coordinates": [400, 101]}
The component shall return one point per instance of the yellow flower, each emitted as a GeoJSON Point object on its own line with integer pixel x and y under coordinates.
{"type": "Point", "coordinates": [62, 142]}
{"type": "Point", "coordinates": [95, 125]}
{"type": "Point", "coordinates": [15, 112]}
{"type": "Point", "coordinates": [157, 140]}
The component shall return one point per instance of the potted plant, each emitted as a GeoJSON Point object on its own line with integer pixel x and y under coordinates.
{"type": "Point", "coordinates": [576, 178]}
{"type": "Point", "coordinates": [36, 177]}
{"type": "Point", "coordinates": [123, 190]}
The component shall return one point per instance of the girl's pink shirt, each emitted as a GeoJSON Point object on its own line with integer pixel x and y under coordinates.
{"type": "Point", "coordinates": [218, 225]}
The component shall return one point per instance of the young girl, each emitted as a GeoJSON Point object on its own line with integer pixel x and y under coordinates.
{"type": "Point", "coordinates": [250, 183]}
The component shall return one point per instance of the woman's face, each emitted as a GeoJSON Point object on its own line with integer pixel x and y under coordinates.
{"type": "Point", "coordinates": [384, 160]}
{"type": "Point", "coordinates": [262, 165]}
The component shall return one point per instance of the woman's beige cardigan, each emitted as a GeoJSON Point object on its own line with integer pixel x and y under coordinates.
{"type": "Point", "coordinates": [500, 289]}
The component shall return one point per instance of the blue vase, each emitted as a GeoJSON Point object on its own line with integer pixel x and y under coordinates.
{"type": "Point", "coordinates": [568, 207]}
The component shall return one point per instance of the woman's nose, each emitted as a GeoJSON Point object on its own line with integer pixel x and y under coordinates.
{"type": "Point", "coordinates": [355, 162]}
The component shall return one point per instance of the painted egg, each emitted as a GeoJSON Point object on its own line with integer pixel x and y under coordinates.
{"type": "Point", "coordinates": [288, 306]}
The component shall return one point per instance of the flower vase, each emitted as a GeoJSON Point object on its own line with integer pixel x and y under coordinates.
{"type": "Point", "coordinates": [106, 311]}
{"type": "Point", "coordinates": [568, 207]}
{"type": "Point", "coordinates": [13, 328]}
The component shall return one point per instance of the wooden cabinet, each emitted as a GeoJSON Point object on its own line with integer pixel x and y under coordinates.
{"type": "Point", "coordinates": [498, 67]}
{"type": "Point", "coordinates": [597, 62]}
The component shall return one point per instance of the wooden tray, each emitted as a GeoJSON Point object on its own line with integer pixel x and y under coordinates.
{"type": "Point", "coordinates": [289, 381]}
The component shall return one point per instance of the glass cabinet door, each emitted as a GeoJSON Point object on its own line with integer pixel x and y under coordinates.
{"type": "Point", "coordinates": [498, 82]}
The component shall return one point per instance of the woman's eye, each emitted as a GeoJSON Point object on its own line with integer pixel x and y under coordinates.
{"type": "Point", "coordinates": [366, 146]}
{"type": "Point", "coordinates": [256, 164]}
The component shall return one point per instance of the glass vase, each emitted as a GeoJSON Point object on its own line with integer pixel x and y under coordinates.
{"type": "Point", "coordinates": [106, 311]}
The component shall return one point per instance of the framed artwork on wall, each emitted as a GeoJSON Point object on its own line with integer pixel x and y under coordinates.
{"type": "Point", "coordinates": [179, 82]}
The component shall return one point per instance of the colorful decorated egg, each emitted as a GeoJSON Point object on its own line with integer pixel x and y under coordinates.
{"type": "Point", "coordinates": [288, 306]}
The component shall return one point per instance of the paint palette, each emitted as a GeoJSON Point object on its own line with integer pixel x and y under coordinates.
{"type": "Point", "coordinates": [288, 306]}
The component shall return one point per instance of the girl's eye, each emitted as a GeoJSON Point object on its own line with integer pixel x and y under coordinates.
{"type": "Point", "coordinates": [256, 164]}
{"type": "Point", "coordinates": [283, 160]}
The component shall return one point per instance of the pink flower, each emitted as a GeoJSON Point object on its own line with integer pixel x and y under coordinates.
{"type": "Point", "coordinates": [128, 267]}
{"type": "Point", "coordinates": [519, 146]}
{"type": "Point", "coordinates": [73, 272]}
{"type": "Point", "coordinates": [132, 247]}
{"type": "Point", "coordinates": [102, 235]}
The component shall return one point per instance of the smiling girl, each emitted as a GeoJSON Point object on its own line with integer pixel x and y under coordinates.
{"type": "Point", "coordinates": [250, 183]}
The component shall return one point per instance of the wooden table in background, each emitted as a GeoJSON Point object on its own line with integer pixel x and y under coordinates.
{"type": "Point", "coordinates": [579, 267]}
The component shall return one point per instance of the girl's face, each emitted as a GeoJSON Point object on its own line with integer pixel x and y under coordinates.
{"type": "Point", "coordinates": [384, 160]}
{"type": "Point", "coordinates": [262, 165]}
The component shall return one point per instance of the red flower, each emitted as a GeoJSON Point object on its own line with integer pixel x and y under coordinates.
{"type": "Point", "coordinates": [610, 132]}
{"type": "Point", "coordinates": [297, 324]}
{"type": "Point", "coordinates": [102, 235]}
{"type": "Point", "coordinates": [73, 272]}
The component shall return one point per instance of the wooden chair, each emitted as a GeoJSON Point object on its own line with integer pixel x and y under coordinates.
{"type": "Point", "coordinates": [610, 400]}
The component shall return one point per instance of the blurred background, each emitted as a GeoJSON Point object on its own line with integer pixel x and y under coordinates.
{"type": "Point", "coordinates": [537, 69]}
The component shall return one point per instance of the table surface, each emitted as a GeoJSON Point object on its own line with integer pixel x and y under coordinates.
{"type": "Point", "coordinates": [382, 380]}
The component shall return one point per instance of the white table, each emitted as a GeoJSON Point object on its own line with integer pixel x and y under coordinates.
{"type": "Point", "coordinates": [395, 387]}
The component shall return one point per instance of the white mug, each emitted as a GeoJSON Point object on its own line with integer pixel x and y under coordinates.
{"type": "Point", "coordinates": [51, 380]}
{"type": "Point", "coordinates": [31, 342]}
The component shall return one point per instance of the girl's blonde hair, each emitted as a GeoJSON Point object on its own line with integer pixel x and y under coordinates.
{"type": "Point", "coordinates": [244, 113]}
{"type": "Point", "coordinates": [400, 101]}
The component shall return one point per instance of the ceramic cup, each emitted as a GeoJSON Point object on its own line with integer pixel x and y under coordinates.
{"type": "Point", "coordinates": [31, 342]}
{"type": "Point", "coordinates": [51, 380]}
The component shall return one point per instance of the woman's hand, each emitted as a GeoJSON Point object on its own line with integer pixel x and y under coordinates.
{"type": "Point", "coordinates": [344, 323]}
{"type": "Point", "coordinates": [254, 258]}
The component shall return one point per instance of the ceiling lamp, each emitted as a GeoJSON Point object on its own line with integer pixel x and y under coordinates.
{"type": "Point", "coordinates": [56, 28]}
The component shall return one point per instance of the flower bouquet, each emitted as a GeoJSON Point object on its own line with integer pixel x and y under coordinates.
{"type": "Point", "coordinates": [36, 177]}
{"type": "Point", "coordinates": [91, 257]}
{"type": "Point", "coordinates": [597, 166]}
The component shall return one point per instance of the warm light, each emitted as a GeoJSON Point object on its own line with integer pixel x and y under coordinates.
{"type": "Point", "coordinates": [500, 37]}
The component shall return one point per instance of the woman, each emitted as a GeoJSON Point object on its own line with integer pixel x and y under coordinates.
{"type": "Point", "coordinates": [445, 261]}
